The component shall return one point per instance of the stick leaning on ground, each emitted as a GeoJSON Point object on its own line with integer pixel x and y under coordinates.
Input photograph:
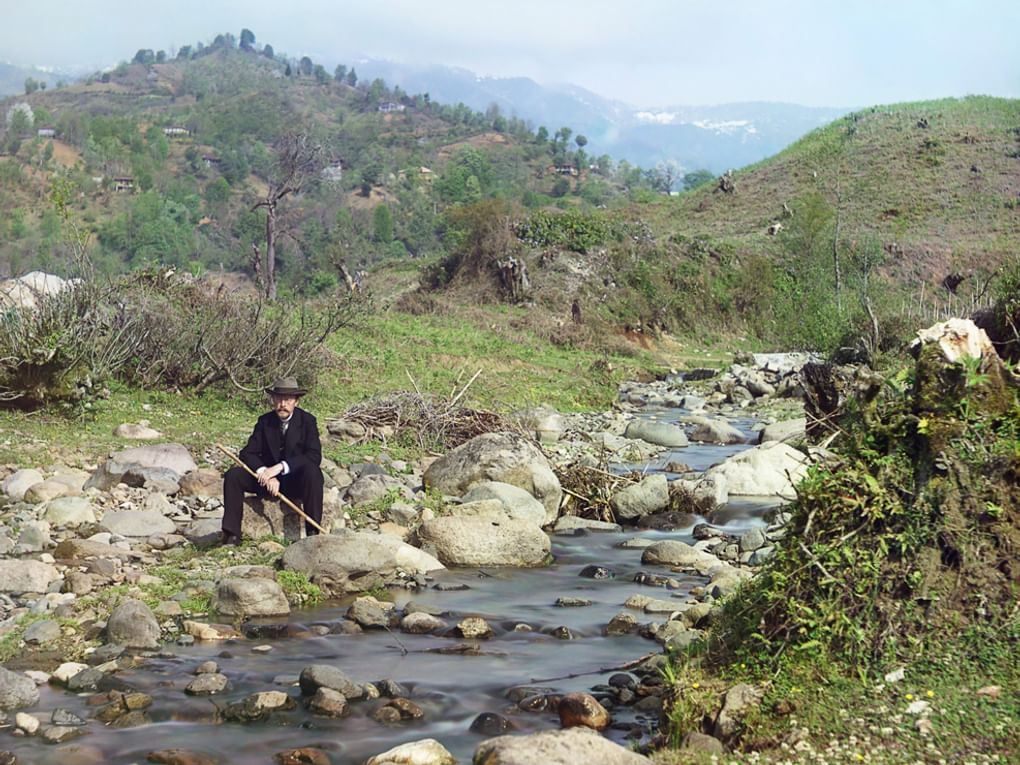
{"type": "Point", "coordinates": [280, 496]}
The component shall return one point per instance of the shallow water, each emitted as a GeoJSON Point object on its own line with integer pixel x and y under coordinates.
{"type": "Point", "coordinates": [451, 689]}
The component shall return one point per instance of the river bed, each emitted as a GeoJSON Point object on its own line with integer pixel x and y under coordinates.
{"type": "Point", "coordinates": [451, 689]}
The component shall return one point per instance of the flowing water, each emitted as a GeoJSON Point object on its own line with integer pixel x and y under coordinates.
{"type": "Point", "coordinates": [452, 689]}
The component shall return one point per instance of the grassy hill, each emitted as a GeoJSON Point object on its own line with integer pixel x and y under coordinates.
{"type": "Point", "coordinates": [842, 239]}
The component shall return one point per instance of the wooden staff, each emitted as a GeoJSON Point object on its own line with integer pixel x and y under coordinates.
{"type": "Point", "coordinates": [280, 496]}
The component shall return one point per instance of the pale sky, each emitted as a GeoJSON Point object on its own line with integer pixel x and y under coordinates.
{"type": "Point", "coordinates": [643, 52]}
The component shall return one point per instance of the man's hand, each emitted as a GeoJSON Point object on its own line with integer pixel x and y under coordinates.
{"type": "Point", "coordinates": [269, 474]}
{"type": "Point", "coordinates": [273, 487]}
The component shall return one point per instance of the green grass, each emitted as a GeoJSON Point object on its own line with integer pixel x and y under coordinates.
{"type": "Point", "coordinates": [441, 354]}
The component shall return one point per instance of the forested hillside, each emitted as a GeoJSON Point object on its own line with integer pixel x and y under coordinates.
{"type": "Point", "coordinates": [168, 159]}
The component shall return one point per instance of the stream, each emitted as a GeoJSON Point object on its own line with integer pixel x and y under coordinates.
{"type": "Point", "coordinates": [451, 689]}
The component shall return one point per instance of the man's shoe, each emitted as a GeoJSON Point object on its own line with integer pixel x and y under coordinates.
{"type": "Point", "coordinates": [230, 539]}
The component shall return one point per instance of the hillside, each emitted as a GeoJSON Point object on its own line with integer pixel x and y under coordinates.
{"type": "Point", "coordinates": [194, 141]}
{"type": "Point", "coordinates": [868, 215]}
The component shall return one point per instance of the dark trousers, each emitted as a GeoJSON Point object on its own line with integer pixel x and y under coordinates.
{"type": "Point", "coordinates": [306, 489]}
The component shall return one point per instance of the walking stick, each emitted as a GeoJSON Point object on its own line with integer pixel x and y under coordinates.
{"type": "Point", "coordinates": [282, 498]}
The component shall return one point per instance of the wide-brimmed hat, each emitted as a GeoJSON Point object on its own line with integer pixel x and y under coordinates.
{"type": "Point", "coordinates": [286, 386]}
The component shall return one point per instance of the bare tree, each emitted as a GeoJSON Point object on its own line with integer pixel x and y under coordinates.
{"type": "Point", "coordinates": [299, 159]}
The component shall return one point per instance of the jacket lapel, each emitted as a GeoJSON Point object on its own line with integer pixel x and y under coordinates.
{"type": "Point", "coordinates": [273, 438]}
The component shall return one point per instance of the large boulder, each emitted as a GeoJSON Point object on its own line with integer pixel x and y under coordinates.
{"type": "Point", "coordinates": [658, 433]}
{"type": "Point", "coordinates": [27, 291]}
{"type": "Point", "coordinates": [355, 561]}
{"type": "Point", "coordinates": [137, 523]}
{"type": "Point", "coordinates": [712, 431]}
{"type": "Point", "coordinates": [504, 457]}
{"type": "Point", "coordinates": [20, 481]}
{"type": "Point", "coordinates": [26, 576]}
{"type": "Point", "coordinates": [517, 503]}
{"type": "Point", "coordinates": [132, 624]}
{"type": "Point", "coordinates": [153, 465]}
{"type": "Point", "coordinates": [787, 431]}
{"type": "Point", "coordinates": [649, 495]}
{"type": "Point", "coordinates": [69, 511]}
{"type": "Point", "coordinates": [673, 552]}
{"type": "Point", "coordinates": [572, 746]}
{"type": "Point", "coordinates": [767, 470]}
{"type": "Point", "coordinates": [16, 690]}
{"type": "Point", "coordinates": [250, 597]}
{"type": "Point", "coordinates": [485, 541]}
{"type": "Point", "coordinates": [427, 751]}
{"type": "Point", "coordinates": [270, 517]}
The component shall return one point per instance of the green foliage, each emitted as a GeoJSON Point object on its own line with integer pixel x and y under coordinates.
{"type": "Point", "coordinates": [573, 230]}
{"type": "Point", "coordinates": [298, 589]}
{"type": "Point", "coordinates": [382, 221]}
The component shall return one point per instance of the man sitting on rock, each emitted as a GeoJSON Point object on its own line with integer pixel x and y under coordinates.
{"type": "Point", "coordinates": [285, 453]}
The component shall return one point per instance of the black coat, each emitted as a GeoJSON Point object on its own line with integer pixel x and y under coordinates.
{"type": "Point", "coordinates": [301, 449]}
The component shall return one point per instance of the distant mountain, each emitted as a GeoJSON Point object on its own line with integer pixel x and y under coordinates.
{"type": "Point", "coordinates": [12, 78]}
{"type": "Point", "coordinates": [715, 137]}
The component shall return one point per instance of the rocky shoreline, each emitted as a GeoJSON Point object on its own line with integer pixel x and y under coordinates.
{"type": "Point", "coordinates": [103, 564]}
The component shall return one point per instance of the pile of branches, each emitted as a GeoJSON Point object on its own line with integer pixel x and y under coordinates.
{"type": "Point", "coordinates": [429, 421]}
{"type": "Point", "coordinates": [589, 488]}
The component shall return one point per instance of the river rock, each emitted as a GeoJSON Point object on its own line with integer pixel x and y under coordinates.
{"type": "Point", "coordinates": [153, 465]}
{"type": "Point", "coordinates": [318, 676]}
{"type": "Point", "coordinates": [258, 706]}
{"type": "Point", "coordinates": [20, 481]}
{"type": "Point", "coordinates": [770, 469]}
{"type": "Point", "coordinates": [27, 723]}
{"type": "Point", "coordinates": [739, 700]}
{"type": "Point", "coordinates": [572, 746]}
{"type": "Point", "coordinates": [46, 490]}
{"type": "Point", "coordinates": [786, 431]}
{"type": "Point", "coordinates": [78, 549]}
{"type": "Point", "coordinates": [250, 597]}
{"type": "Point", "coordinates": [327, 702]}
{"type": "Point", "coordinates": [370, 613]}
{"type": "Point", "coordinates": [69, 511]}
{"type": "Point", "coordinates": [19, 576]}
{"type": "Point", "coordinates": [355, 561]}
{"type": "Point", "coordinates": [207, 684]}
{"type": "Point", "coordinates": [204, 631]}
{"type": "Point", "coordinates": [695, 741]}
{"type": "Point", "coordinates": [474, 628]}
{"type": "Point", "coordinates": [658, 433]}
{"type": "Point", "coordinates": [712, 431]}
{"type": "Point", "coordinates": [181, 757]}
{"type": "Point", "coordinates": [369, 488]}
{"type": "Point", "coordinates": [16, 690]}
{"type": "Point", "coordinates": [569, 523]}
{"type": "Point", "coordinates": [649, 495]}
{"type": "Point", "coordinates": [503, 457]}
{"type": "Point", "coordinates": [485, 541]}
{"type": "Point", "coordinates": [582, 709]}
{"type": "Point", "coordinates": [420, 623]}
{"type": "Point", "coordinates": [137, 523]}
{"type": "Point", "coordinates": [264, 516]}
{"type": "Point", "coordinates": [203, 482]}
{"type": "Point", "coordinates": [424, 752]}
{"type": "Point", "coordinates": [45, 631]}
{"type": "Point", "coordinates": [35, 536]}
{"type": "Point", "coordinates": [516, 502]}
{"type": "Point", "coordinates": [133, 624]}
{"type": "Point", "coordinates": [306, 755]}
{"type": "Point", "coordinates": [672, 552]}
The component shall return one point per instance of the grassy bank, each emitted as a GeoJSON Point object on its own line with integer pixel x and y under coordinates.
{"type": "Point", "coordinates": [382, 354]}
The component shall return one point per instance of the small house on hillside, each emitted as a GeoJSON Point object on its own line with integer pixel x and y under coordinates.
{"type": "Point", "coordinates": [565, 170]}
{"type": "Point", "coordinates": [124, 183]}
{"type": "Point", "coordinates": [46, 132]}
{"type": "Point", "coordinates": [176, 131]}
{"type": "Point", "coordinates": [388, 106]}
{"type": "Point", "coordinates": [211, 161]}
{"type": "Point", "coordinates": [334, 171]}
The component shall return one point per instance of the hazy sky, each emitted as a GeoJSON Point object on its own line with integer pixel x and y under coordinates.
{"type": "Point", "coordinates": [644, 52]}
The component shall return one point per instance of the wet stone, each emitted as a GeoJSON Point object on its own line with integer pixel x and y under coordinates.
{"type": "Point", "coordinates": [304, 756]}
{"type": "Point", "coordinates": [57, 734]}
{"type": "Point", "coordinates": [567, 602]}
{"type": "Point", "coordinates": [180, 757]}
{"type": "Point", "coordinates": [264, 631]}
{"type": "Point", "coordinates": [623, 680]}
{"type": "Point", "coordinates": [207, 684]}
{"type": "Point", "coordinates": [391, 688]}
{"type": "Point", "coordinates": [474, 627]}
{"type": "Point", "coordinates": [133, 719]}
{"type": "Point", "coordinates": [404, 709]}
{"type": "Point", "coordinates": [621, 624]}
{"type": "Point", "coordinates": [597, 572]}
{"type": "Point", "coordinates": [582, 709]}
{"type": "Point", "coordinates": [86, 680]}
{"type": "Point", "coordinates": [520, 692]}
{"type": "Point", "coordinates": [328, 703]}
{"type": "Point", "coordinates": [63, 716]}
{"type": "Point", "coordinates": [258, 706]}
{"type": "Point", "coordinates": [207, 668]}
{"type": "Point", "coordinates": [561, 633]}
{"type": "Point", "coordinates": [491, 724]}
{"type": "Point", "coordinates": [450, 587]}
{"type": "Point", "coordinates": [656, 580]}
